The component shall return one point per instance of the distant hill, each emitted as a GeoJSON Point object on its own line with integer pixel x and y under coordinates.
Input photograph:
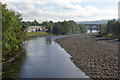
{"type": "Point", "coordinates": [93, 22]}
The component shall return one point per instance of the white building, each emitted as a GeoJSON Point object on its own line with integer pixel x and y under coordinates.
{"type": "Point", "coordinates": [34, 29]}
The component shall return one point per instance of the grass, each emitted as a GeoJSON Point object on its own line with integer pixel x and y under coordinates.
{"type": "Point", "coordinates": [12, 69]}
{"type": "Point", "coordinates": [109, 35]}
{"type": "Point", "coordinates": [30, 35]}
{"type": "Point", "coordinates": [35, 33]}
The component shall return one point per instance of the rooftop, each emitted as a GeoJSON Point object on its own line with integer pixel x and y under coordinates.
{"type": "Point", "coordinates": [34, 27]}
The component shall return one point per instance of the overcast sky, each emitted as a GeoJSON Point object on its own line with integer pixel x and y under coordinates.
{"type": "Point", "coordinates": [60, 10]}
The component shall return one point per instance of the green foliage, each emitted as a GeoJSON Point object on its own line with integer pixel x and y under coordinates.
{"type": "Point", "coordinates": [99, 35]}
{"type": "Point", "coordinates": [12, 32]}
{"type": "Point", "coordinates": [118, 30]}
{"type": "Point", "coordinates": [111, 29]}
{"type": "Point", "coordinates": [83, 29]}
{"type": "Point", "coordinates": [102, 28]}
{"type": "Point", "coordinates": [32, 23]}
{"type": "Point", "coordinates": [111, 26]}
{"type": "Point", "coordinates": [58, 29]}
{"type": "Point", "coordinates": [109, 35]}
{"type": "Point", "coordinates": [64, 27]}
{"type": "Point", "coordinates": [49, 26]}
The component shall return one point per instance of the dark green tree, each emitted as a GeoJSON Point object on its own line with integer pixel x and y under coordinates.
{"type": "Point", "coordinates": [83, 29]}
{"type": "Point", "coordinates": [12, 32]}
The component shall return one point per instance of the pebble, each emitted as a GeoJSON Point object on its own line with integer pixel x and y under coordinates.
{"type": "Point", "coordinates": [93, 56]}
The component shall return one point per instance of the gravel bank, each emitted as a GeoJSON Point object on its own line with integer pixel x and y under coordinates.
{"type": "Point", "coordinates": [97, 57]}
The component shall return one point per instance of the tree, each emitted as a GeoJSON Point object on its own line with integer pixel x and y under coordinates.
{"type": "Point", "coordinates": [118, 30]}
{"type": "Point", "coordinates": [13, 32]}
{"type": "Point", "coordinates": [83, 29]}
{"type": "Point", "coordinates": [102, 29]}
{"type": "Point", "coordinates": [112, 27]}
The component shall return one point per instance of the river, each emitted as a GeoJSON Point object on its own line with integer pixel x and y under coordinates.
{"type": "Point", "coordinates": [46, 59]}
{"type": "Point", "coordinates": [93, 31]}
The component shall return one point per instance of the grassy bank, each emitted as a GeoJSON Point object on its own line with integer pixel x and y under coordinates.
{"type": "Point", "coordinates": [12, 65]}
{"type": "Point", "coordinates": [35, 33]}
{"type": "Point", "coordinates": [28, 36]}
{"type": "Point", "coordinates": [11, 69]}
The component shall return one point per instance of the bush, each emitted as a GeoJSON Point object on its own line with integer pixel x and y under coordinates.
{"type": "Point", "coordinates": [12, 32]}
{"type": "Point", "coordinates": [109, 35]}
{"type": "Point", "coordinates": [99, 35]}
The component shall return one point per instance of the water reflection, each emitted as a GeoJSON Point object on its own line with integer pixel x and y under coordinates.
{"type": "Point", "coordinates": [46, 59]}
{"type": "Point", "coordinates": [48, 40]}
{"type": "Point", "coordinates": [93, 31]}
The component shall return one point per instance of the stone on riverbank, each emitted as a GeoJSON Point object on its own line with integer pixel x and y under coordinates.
{"type": "Point", "coordinates": [97, 57]}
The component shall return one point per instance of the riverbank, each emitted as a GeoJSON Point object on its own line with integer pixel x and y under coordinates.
{"type": "Point", "coordinates": [30, 35]}
{"type": "Point", "coordinates": [96, 56]}
{"type": "Point", "coordinates": [36, 34]}
{"type": "Point", "coordinates": [12, 65]}
{"type": "Point", "coordinates": [11, 68]}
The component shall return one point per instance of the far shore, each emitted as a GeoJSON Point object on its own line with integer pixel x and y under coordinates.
{"type": "Point", "coordinates": [36, 34]}
{"type": "Point", "coordinates": [96, 56]}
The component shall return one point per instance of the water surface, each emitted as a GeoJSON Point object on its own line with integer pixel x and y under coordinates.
{"type": "Point", "coordinates": [93, 31]}
{"type": "Point", "coordinates": [46, 59]}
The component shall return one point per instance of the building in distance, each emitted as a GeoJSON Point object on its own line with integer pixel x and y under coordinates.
{"type": "Point", "coordinates": [36, 29]}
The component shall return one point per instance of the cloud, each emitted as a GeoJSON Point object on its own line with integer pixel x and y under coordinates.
{"type": "Point", "coordinates": [59, 10]}
{"type": "Point", "coordinates": [25, 6]}
{"type": "Point", "coordinates": [47, 1]}
{"type": "Point", "coordinates": [101, 0]}
{"type": "Point", "coordinates": [13, 7]}
{"type": "Point", "coordinates": [68, 5]}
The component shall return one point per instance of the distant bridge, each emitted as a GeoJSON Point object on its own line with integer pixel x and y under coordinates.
{"type": "Point", "coordinates": [92, 27]}
{"type": "Point", "coordinates": [91, 24]}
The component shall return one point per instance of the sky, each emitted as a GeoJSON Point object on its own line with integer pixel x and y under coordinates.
{"type": "Point", "coordinates": [60, 10]}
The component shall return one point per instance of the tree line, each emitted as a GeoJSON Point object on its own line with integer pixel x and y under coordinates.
{"type": "Point", "coordinates": [31, 23]}
{"type": "Point", "coordinates": [57, 28]}
{"type": "Point", "coordinates": [111, 29]}
{"type": "Point", "coordinates": [12, 32]}
{"type": "Point", "coordinates": [65, 27]}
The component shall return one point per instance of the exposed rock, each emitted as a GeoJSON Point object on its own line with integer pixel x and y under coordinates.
{"type": "Point", "coordinates": [97, 57]}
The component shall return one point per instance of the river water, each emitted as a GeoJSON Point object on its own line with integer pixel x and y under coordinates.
{"type": "Point", "coordinates": [93, 31]}
{"type": "Point", "coordinates": [46, 59]}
